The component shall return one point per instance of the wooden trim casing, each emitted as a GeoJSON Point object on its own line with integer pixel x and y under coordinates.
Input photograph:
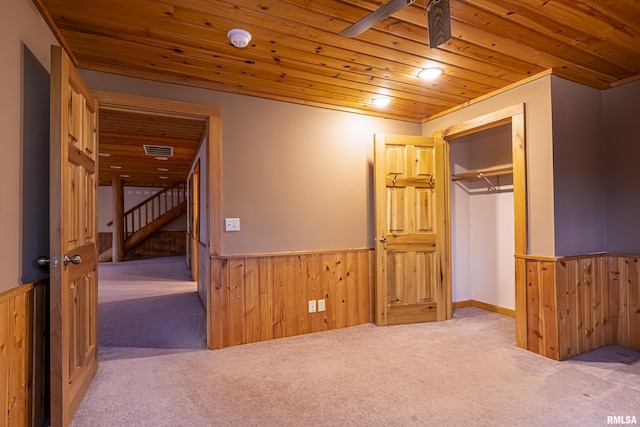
{"type": "Point", "coordinates": [516, 116]}
{"type": "Point", "coordinates": [443, 227]}
{"type": "Point", "coordinates": [379, 198]}
{"type": "Point", "coordinates": [214, 180]}
{"type": "Point", "coordinates": [213, 172]}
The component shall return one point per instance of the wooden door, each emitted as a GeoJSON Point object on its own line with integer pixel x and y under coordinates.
{"type": "Point", "coordinates": [73, 251]}
{"type": "Point", "coordinates": [410, 268]}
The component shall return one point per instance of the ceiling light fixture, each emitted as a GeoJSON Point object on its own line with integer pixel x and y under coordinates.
{"type": "Point", "coordinates": [161, 158]}
{"type": "Point", "coordinates": [115, 167]}
{"type": "Point", "coordinates": [239, 38]}
{"type": "Point", "coordinates": [104, 154]}
{"type": "Point", "coordinates": [124, 176]}
{"type": "Point", "coordinates": [163, 169]}
{"type": "Point", "coordinates": [381, 101]}
{"type": "Point", "coordinates": [430, 73]}
{"type": "Point", "coordinates": [163, 177]}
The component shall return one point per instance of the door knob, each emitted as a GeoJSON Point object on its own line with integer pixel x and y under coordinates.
{"type": "Point", "coordinates": [73, 260]}
{"type": "Point", "coordinates": [383, 239]}
{"type": "Point", "coordinates": [43, 261]}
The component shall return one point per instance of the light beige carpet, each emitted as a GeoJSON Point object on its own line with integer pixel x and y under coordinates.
{"type": "Point", "coordinates": [149, 303]}
{"type": "Point", "coordinates": [462, 372]}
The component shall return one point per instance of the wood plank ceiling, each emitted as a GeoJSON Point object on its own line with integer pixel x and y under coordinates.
{"type": "Point", "coordinates": [297, 54]}
{"type": "Point", "coordinates": [123, 135]}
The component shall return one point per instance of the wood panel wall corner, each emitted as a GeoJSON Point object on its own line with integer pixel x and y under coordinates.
{"type": "Point", "coordinates": [578, 304]}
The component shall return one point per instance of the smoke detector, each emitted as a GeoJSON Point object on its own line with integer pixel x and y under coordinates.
{"type": "Point", "coordinates": [239, 38]}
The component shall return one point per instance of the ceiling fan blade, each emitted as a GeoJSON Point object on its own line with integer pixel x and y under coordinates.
{"type": "Point", "coordinates": [439, 21]}
{"type": "Point", "coordinates": [374, 17]}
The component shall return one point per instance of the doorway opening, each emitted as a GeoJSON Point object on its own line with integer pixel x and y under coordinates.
{"type": "Point", "coordinates": [482, 220]}
{"type": "Point", "coordinates": [157, 302]}
{"type": "Point", "coordinates": [514, 117]}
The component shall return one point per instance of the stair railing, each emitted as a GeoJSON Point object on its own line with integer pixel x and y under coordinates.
{"type": "Point", "coordinates": [155, 206]}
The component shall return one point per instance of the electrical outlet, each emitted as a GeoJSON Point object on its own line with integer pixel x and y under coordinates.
{"type": "Point", "coordinates": [232, 224]}
{"type": "Point", "coordinates": [321, 306]}
{"type": "Point", "coordinates": [312, 306]}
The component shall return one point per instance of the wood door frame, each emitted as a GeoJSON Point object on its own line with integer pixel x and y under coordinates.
{"type": "Point", "coordinates": [212, 173]}
{"type": "Point", "coordinates": [514, 115]}
{"type": "Point", "coordinates": [195, 218]}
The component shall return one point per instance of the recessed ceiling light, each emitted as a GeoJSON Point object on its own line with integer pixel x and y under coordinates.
{"type": "Point", "coordinates": [163, 177]}
{"type": "Point", "coordinates": [381, 101]}
{"type": "Point", "coordinates": [161, 158]}
{"type": "Point", "coordinates": [115, 167]}
{"type": "Point", "coordinates": [104, 154]}
{"type": "Point", "coordinates": [124, 176]}
{"type": "Point", "coordinates": [163, 169]}
{"type": "Point", "coordinates": [430, 73]}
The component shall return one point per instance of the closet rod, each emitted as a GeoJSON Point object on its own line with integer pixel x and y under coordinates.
{"type": "Point", "coordinates": [483, 173]}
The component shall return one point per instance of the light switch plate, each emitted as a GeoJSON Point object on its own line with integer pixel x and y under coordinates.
{"type": "Point", "coordinates": [232, 224]}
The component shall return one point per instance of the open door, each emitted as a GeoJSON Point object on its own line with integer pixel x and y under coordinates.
{"type": "Point", "coordinates": [410, 271]}
{"type": "Point", "coordinates": [73, 250]}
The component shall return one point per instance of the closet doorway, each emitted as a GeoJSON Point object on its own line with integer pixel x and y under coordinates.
{"type": "Point", "coordinates": [482, 262]}
{"type": "Point", "coordinates": [506, 160]}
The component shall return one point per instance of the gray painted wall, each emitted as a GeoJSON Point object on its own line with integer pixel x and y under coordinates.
{"type": "Point", "coordinates": [578, 168]}
{"type": "Point", "coordinates": [621, 146]}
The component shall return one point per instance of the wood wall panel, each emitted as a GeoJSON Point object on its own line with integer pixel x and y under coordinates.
{"type": "Point", "coordinates": [582, 289]}
{"type": "Point", "coordinates": [16, 347]}
{"type": "Point", "coordinates": [22, 355]}
{"type": "Point", "coordinates": [624, 301]}
{"type": "Point", "coordinates": [542, 322]}
{"type": "Point", "coordinates": [161, 243]}
{"type": "Point", "coordinates": [262, 297]}
{"type": "Point", "coordinates": [104, 241]}
{"type": "Point", "coordinates": [591, 300]}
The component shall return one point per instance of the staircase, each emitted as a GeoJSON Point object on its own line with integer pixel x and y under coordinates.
{"type": "Point", "coordinates": [150, 216]}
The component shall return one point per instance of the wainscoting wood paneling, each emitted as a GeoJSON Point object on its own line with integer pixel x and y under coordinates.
{"type": "Point", "coordinates": [105, 241]}
{"type": "Point", "coordinates": [22, 350]}
{"type": "Point", "coordinates": [162, 243]}
{"type": "Point", "coordinates": [262, 297]}
{"type": "Point", "coordinates": [624, 301]}
{"type": "Point", "coordinates": [582, 289]}
{"type": "Point", "coordinates": [542, 332]}
{"type": "Point", "coordinates": [15, 347]}
{"type": "Point", "coordinates": [577, 304]}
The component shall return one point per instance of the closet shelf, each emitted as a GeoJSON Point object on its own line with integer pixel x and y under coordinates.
{"type": "Point", "coordinates": [483, 173]}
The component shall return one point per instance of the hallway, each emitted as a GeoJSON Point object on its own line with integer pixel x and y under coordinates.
{"type": "Point", "coordinates": [150, 303]}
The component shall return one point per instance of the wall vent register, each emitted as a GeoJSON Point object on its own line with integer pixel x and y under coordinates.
{"type": "Point", "coordinates": [158, 150]}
